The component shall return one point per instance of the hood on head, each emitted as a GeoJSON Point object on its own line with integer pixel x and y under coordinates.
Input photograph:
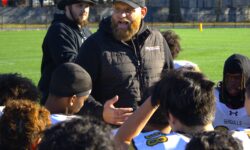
{"type": "Point", "coordinates": [236, 63]}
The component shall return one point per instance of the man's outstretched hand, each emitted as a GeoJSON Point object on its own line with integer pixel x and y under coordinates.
{"type": "Point", "coordinates": [113, 115]}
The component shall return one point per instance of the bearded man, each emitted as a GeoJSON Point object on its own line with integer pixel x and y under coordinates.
{"type": "Point", "coordinates": [124, 57]}
{"type": "Point", "coordinates": [64, 38]}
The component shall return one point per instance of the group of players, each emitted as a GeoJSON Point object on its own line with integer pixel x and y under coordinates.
{"type": "Point", "coordinates": [123, 75]}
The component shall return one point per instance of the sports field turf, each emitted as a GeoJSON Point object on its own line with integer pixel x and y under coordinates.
{"type": "Point", "coordinates": [20, 51]}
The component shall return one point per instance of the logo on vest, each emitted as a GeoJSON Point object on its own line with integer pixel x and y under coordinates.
{"type": "Point", "coordinates": [153, 48]}
{"type": "Point", "coordinates": [233, 113]}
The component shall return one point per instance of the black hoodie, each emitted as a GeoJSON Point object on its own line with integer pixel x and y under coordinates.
{"type": "Point", "coordinates": [236, 63]}
{"type": "Point", "coordinates": [61, 44]}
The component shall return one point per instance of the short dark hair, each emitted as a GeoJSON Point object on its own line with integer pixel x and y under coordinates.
{"type": "Point", "coordinates": [79, 134]}
{"type": "Point", "coordinates": [14, 86]}
{"type": "Point", "coordinates": [173, 41]}
{"type": "Point", "coordinates": [159, 118]}
{"type": "Point", "coordinates": [215, 140]}
{"type": "Point", "coordinates": [22, 123]}
{"type": "Point", "coordinates": [187, 95]}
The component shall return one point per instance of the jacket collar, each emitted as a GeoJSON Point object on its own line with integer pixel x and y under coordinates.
{"type": "Point", "coordinates": [64, 19]}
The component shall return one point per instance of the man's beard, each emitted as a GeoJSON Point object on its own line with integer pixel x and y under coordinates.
{"type": "Point", "coordinates": [125, 34]}
{"type": "Point", "coordinates": [81, 22]}
{"type": "Point", "coordinates": [78, 19]}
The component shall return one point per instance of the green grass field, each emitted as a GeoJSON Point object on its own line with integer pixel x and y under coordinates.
{"type": "Point", "coordinates": [20, 51]}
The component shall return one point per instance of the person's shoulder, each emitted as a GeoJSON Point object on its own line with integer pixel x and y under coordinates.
{"type": "Point", "coordinates": [56, 118]}
{"type": "Point", "coordinates": [243, 136]}
{"type": "Point", "coordinates": [154, 31]}
{"type": "Point", "coordinates": [93, 39]}
{"type": "Point", "coordinates": [184, 63]}
{"type": "Point", "coordinates": [152, 34]}
{"type": "Point", "coordinates": [58, 27]}
{"type": "Point", "coordinates": [182, 136]}
{"type": "Point", "coordinates": [1, 110]}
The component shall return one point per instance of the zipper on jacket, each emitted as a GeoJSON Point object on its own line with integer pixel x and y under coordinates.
{"type": "Point", "coordinates": [139, 66]}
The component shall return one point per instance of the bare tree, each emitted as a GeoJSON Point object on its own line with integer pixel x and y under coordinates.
{"type": "Point", "coordinates": [174, 11]}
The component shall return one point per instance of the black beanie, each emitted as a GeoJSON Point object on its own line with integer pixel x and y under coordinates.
{"type": "Point", "coordinates": [62, 3]}
{"type": "Point", "coordinates": [70, 79]}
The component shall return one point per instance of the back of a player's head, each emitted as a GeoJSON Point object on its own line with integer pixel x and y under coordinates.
{"type": "Point", "coordinates": [173, 41]}
{"type": "Point", "coordinates": [188, 96]}
{"type": "Point", "coordinates": [214, 140]}
{"type": "Point", "coordinates": [78, 134]}
{"type": "Point", "coordinates": [22, 123]}
{"type": "Point", "coordinates": [14, 86]}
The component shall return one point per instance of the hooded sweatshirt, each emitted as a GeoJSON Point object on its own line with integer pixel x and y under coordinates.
{"type": "Point", "coordinates": [230, 112]}
{"type": "Point", "coordinates": [61, 44]}
{"type": "Point", "coordinates": [235, 64]}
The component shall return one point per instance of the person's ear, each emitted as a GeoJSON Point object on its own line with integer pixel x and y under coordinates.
{"type": "Point", "coordinates": [72, 100]}
{"type": "Point", "coordinates": [144, 11]}
{"type": "Point", "coordinates": [172, 120]}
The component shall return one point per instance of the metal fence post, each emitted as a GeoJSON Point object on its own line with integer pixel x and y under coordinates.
{"type": "Point", "coordinates": [25, 23]}
{"type": "Point", "coordinates": [2, 22]}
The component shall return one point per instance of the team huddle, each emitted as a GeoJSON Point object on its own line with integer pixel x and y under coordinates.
{"type": "Point", "coordinates": [121, 88]}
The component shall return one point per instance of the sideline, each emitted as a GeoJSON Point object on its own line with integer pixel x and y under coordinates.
{"type": "Point", "coordinates": [158, 25]}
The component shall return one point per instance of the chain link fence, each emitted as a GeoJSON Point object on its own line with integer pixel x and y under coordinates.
{"type": "Point", "coordinates": [38, 17]}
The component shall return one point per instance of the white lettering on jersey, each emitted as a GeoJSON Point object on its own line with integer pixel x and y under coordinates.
{"type": "Point", "coordinates": [227, 118]}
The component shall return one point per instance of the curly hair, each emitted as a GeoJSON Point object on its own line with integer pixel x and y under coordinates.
{"type": "Point", "coordinates": [87, 133]}
{"type": "Point", "coordinates": [14, 86]}
{"type": "Point", "coordinates": [22, 123]}
{"type": "Point", "coordinates": [214, 140]}
{"type": "Point", "coordinates": [173, 41]}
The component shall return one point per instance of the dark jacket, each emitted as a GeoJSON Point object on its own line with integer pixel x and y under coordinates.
{"type": "Point", "coordinates": [61, 44]}
{"type": "Point", "coordinates": [124, 69]}
{"type": "Point", "coordinates": [91, 108]}
{"type": "Point", "coordinates": [235, 64]}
